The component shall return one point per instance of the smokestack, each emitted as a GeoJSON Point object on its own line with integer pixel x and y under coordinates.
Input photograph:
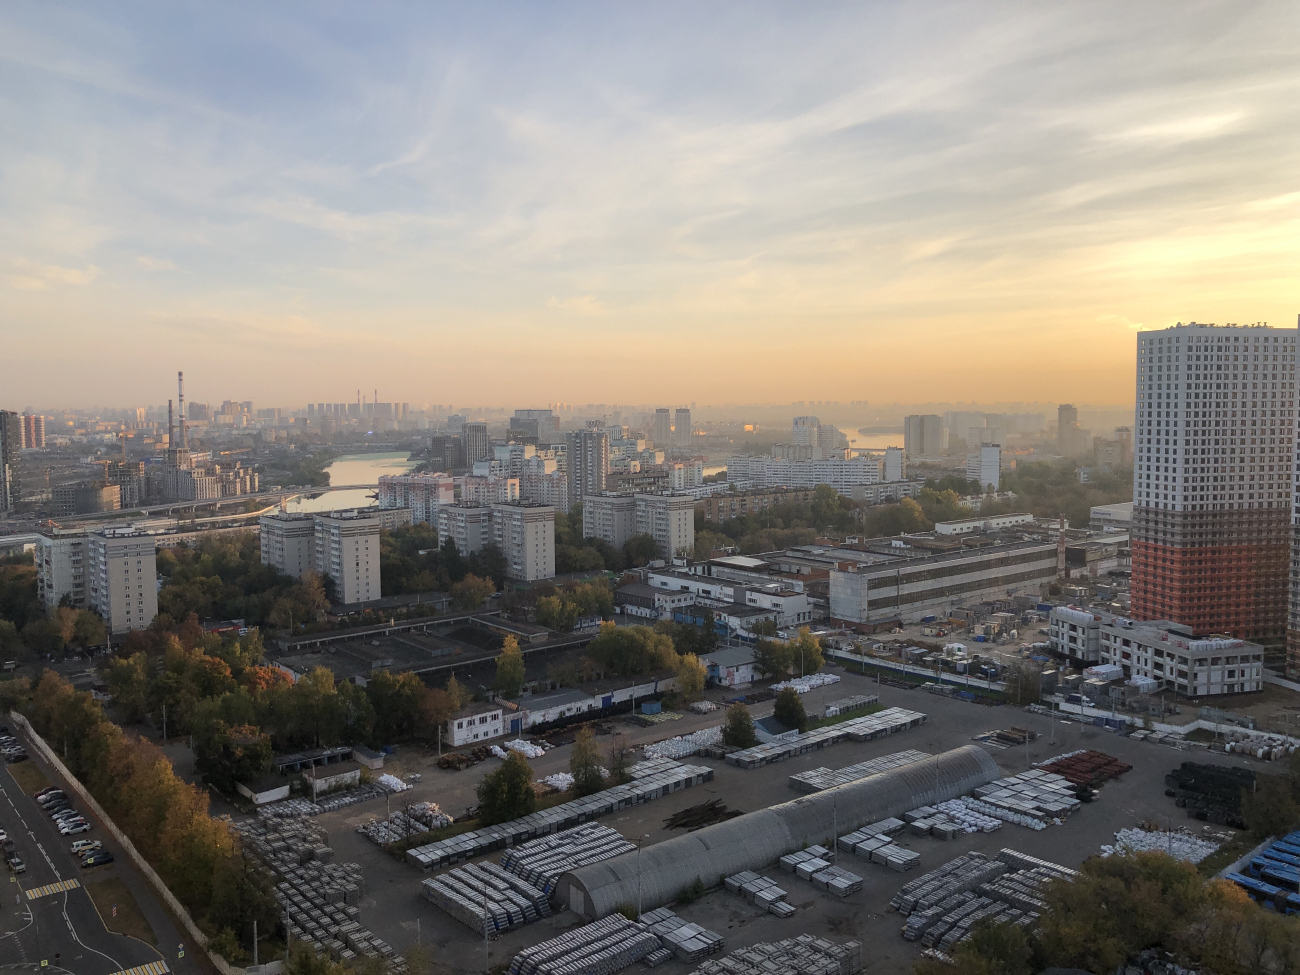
{"type": "Point", "coordinates": [180, 406]}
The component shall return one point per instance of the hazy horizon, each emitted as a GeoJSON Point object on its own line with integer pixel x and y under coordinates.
{"type": "Point", "coordinates": [584, 203]}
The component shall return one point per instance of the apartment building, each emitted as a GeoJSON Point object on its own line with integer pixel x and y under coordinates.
{"type": "Point", "coordinates": [984, 464]}
{"type": "Point", "coordinates": [421, 493]}
{"type": "Point", "coordinates": [611, 517]}
{"type": "Point", "coordinates": [347, 550]}
{"type": "Point", "coordinates": [122, 578]}
{"type": "Point", "coordinates": [525, 534]}
{"type": "Point", "coordinates": [1075, 633]}
{"type": "Point", "coordinates": [288, 542]}
{"type": "Point", "coordinates": [923, 436]}
{"type": "Point", "coordinates": [588, 463]}
{"type": "Point", "coordinates": [61, 570]}
{"type": "Point", "coordinates": [669, 519]}
{"type": "Point", "coordinates": [758, 472]}
{"type": "Point", "coordinates": [468, 526]}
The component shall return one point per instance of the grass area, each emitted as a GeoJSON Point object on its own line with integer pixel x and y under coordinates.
{"type": "Point", "coordinates": [130, 920]}
{"type": "Point", "coordinates": [1227, 854]}
{"type": "Point", "coordinates": [29, 778]}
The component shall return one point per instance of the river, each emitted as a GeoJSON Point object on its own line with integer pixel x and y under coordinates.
{"type": "Point", "coordinates": [354, 469]}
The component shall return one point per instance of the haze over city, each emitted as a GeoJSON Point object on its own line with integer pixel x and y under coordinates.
{"type": "Point", "coordinates": [588, 204]}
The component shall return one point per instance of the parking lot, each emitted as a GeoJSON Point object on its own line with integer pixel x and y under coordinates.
{"type": "Point", "coordinates": [394, 909]}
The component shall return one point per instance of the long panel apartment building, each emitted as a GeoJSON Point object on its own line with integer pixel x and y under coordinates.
{"type": "Point", "coordinates": [1212, 481]}
{"type": "Point", "coordinates": [122, 578]}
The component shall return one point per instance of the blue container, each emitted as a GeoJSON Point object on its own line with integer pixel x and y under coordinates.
{"type": "Point", "coordinates": [979, 638]}
{"type": "Point", "coordinates": [652, 707]}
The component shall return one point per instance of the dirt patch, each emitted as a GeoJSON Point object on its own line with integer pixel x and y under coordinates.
{"type": "Point", "coordinates": [29, 778]}
{"type": "Point", "coordinates": [121, 914]}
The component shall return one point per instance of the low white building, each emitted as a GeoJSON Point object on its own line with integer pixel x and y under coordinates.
{"type": "Point", "coordinates": [964, 526]}
{"type": "Point", "coordinates": [1168, 653]}
{"type": "Point", "coordinates": [1111, 517]}
{"type": "Point", "coordinates": [1076, 633]}
{"type": "Point", "coordinates": [730, 666]}
{"type": "Point", "coordinates": [475, 723]}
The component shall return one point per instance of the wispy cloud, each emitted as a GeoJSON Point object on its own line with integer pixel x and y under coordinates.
{"type": "Point", "coordinates": [31, 276]}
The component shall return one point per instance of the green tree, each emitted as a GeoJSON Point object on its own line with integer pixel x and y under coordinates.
{"type": "Point", "coordinates": [641, 550]}
{"type": "Point", "coordinates": [772, 658]}
{"type": "Point", "coordinates": [629, 651]}
{"type": "Point", "coordinates": [620, 759]}
{"type": "Point", "coordinates": [510, 669]}
{"type": "Point", "coordinates": [457, 693]}
{"type": "Point", "coordinates": [691, 677]}
{"type": "Point", "coordinates": [471, 591]}
{"type": "Point", "coordinates": [225, 756]}
{"type": "Point", "coordinates": [806, 652]}
{"type": "Point", "coordinates": [584, 764]}
{"type": "Point", "coordinates": [128, 685]}
{"type": "Point", "coordinates": [789, 709]}
{"type": "Point", "coordinates": [738, 727]}
{"type": "Point", "coordinates": [1273, 809]}
{"type": "Point", "coordinates": [396, 701]}
{"type": "Point", "coordinates": [507, 793]}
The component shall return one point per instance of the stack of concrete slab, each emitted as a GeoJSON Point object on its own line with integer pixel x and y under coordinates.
{"type": "Point", "coordinates": [601, 948]}
{"type": "Point", "coordinates": [564, 816]}
{"type": "Point", "coordinates": [760, 891]}
{"type": "Point", "coordinates": [873, 843]}
{"type": "Point", "coordinates": [290, 808]}
{"type": "Point", "coordinates": [687, 941]}
{"type": "Point", "coordinates": [865, 728]}
{"type": "Point", "coordinates": [318, 898]}
{"type": "Point", "coordinates": [486, 898]}
{"type": "Point", "coordinates": [1035, 793]}
{"type": "Point", "coordinates": [817, 779]}
{"type": "Point", "coordinates": [945, 904]}
{"type": "Point", "coordinates": [653, 766]}
{"type": "Point", "coordinates": [847, 705]}
{"type": "Point", "coordinates": [837, 881]}
{"type": "Point", "coordinates": [804, 955]}
{"type": "Point", "coordinates": [542, 861]}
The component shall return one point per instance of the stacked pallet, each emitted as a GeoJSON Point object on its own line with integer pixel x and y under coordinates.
{"type": "Point", "coordinates": [564, 816]}
{"type": "Point", "coordinates": [601, 948]}
{"type": "Point", "coordinates": [817, 779]}
{"type": "Point", "coordinates": [544, 860]}
{"type": "Point", "coordinates": [687, 941]}
{"type": "Point", "coordinates": [1087, 768]}
{"type": "Point", "coordinates": [760, 891]}
{"type": "Point", "coordinates": [1037, 794]}
{"type": "Point", "coordinates": [847, 705]}
{"type": "Point", "coordinates": [865, 728]}
{"type": "Point", "coordinates": [486, 898]}
{"type": "Point", "coordinates": [804, 955]}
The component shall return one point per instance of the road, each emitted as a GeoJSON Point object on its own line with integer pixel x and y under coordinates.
{"type": "Point", "coordinates": [48, 921]}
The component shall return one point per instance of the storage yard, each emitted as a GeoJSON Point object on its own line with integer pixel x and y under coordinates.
{"type": "Point", "coordinates": [764, 911]}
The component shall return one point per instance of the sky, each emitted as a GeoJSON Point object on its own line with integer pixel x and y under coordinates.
{"type": "Point", "coordinates": [530, 203]}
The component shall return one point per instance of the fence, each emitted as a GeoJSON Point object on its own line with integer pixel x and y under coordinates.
{"type": "Point", "coordinates": [848, 658]}
{"type": "Point", "coordinates": [141, 864]}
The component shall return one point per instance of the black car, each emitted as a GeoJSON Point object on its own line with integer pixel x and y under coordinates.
{"type": "Point", "coordinates": [97, 859]}
{"type": "Point", "coordinates": [20, 757]}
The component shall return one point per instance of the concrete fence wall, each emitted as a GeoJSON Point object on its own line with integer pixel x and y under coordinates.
{"type": "Point", "coordinates": [135, 856]}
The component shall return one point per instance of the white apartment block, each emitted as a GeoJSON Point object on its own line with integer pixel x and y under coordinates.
{"type": "Point", "coordinates": [545, 487]}
{"type": "Point", "coordinates": [893, 467]}
{"type": "Point", "coordinates": [768, 472]}
{"type": "Point", "coordinates": [288, 542]}
{"type": "Point", "coordinates": [61, 570]}
{"type": "Point", "coordinates": [611, 517]}
{"type": "Point", "coordinates": [984, 464]}
{"type": "Point", "coordinates": [122, 578]}
{"type": "Point", "coordinates": [421, 493]}
{"type": "Point", "coordinates": [525, 534]}
{"type": "Point", "coordinates": [476, 489]}
{"type": "Point", "coordinates": [469, 526]}
{"type": "Point", "coordinates": [684, 476]}
{"type": "Point", "coordinates": [347, 550]}
{"type": "Point", "coordinates": [669, 519]}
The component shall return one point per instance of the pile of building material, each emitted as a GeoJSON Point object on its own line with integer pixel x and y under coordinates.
{"type": "Point", "coordinates": [524, 748]}
{"type": "Point", "coordinates": [809, 682]}
{"type": "Point", "coordinates": [847, 705]}
{"type": "Point", "coordinates": [392, 783]}
{"type": "Point", "coordinates": [865, 728]}
{"type": "Point", "coordinates": [943, 905]}
{"type": "Point", "coordinates": [1179, 845]}
{"type": "Point", "coordinates": [1086, 768]}
{"type": "Point", "coordinates": [1259, 744]}
{"type": "Point", "coordinates": [813, 864]}
{"type": "Point", "coordinates": [804, 955]}
{"type": "Point", "coordinates": [1037, 794]}
{"type": "Point", "coordinates": [564, 816]}
{"type": "Point", "coordinates": [417, 818]}
{"type": "Point", "coordinates": [687, 941]}
{"type": "Point", "coordinates": [1007, 737]}
{"type": "Point", "coordinates": [957, 816]}
{"type": "Point", "coordinates": [817, 779]}
{"type": "Point", "coordinates": [560, 781]}
{"type": "Point", "coordinates": [291, 808]}
{"type": "Point", "coordinates": [684, 746]}
{"type": "Point", "coordinates": [318, 898]}
{"type": "Point", "coordinates": [486, 898]}
{"type": "Point", "coordinates": [760, 891]}
{"type": "Point", "coordinates": [1210, 793]}
{"type": "Point", "coordinates": [601, 948]}
{"type": "Point", "coordinates": [542, 861]}
{"type": "Point", "coordinates": [702, 707]}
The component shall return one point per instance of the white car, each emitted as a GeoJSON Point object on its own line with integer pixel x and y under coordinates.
{"type": "Point", "coordinates": [71, 828]}
{"type": "Point", "coordinates": [85, 846]}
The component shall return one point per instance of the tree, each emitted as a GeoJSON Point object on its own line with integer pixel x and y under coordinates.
{"type": "Point", "coordinates": [806, 651]}
{"type": "Point", "coordinates": [507, 793]}
{"type": "Point", "coordinates": [128, 685]}
{"type": "Point", "coordinates": [471, 591]}
{"type": "Point", "coordinates": [641, 550]}
{"type": "Point", "coordinates": [510, 669]}
{"type": "Point", "coordinates": [738, 727]}
{"type": "Point", "coordinates": [225, 756]}
{"type": "Point", "coordinates": [691, 676]}
{"type": "Point", "coordinates": [457, 693]}
{"type": "Point", "coordinates": [629, 651]}
{"type": "Point", "coordinates": [88, 630]}
{"type": "Point", "coordinates": [1272, 809]}
{"type": "Point", "coordinates": [584, 764]}
{"type": "Point", "coordinates": [789, 709]}
{"type": "Point", "coordinates": [620, 758]}
{"type": "Point", "coordinates": [772, 658]}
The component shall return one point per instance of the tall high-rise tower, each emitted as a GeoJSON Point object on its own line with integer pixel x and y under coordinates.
{"type": "Point", "coordinates": [1212, 478]}
{"type": "Point", "coordinates": [663, 428]}
{"type": "Point", "coordinates": [588, 462]}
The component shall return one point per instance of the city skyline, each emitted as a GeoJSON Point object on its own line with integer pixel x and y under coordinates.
{"type": "Point", "coordinates": [810, 201]}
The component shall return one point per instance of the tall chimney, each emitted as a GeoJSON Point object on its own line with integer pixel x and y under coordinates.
{"type": "Point", "coordinates": [180, 405]}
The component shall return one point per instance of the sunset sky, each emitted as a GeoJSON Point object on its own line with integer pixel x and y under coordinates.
{"type": "Point", "coordinates": [518, 204]}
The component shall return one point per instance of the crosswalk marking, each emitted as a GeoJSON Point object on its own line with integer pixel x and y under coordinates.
{"type": "Point", "coordinates": [48, 889]}
{"type": "Point", "coordinates": [153, 968]}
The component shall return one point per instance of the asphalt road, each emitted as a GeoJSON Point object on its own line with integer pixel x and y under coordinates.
{"type": "Point", "coordinates": [63, 929]}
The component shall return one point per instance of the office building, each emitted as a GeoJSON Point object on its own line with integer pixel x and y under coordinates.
{"type": "Point", "coordinates": [922, 436]}
{"type": "Point", "coordinates": [1075, 634]}
{"type": "Point", "coordinates": [347, 550]}
{"type": "Point", "coordinates": [670, 520]}
{"type": "Point", "coordinates": [662, 431]}
{"type": "Point", "coordinates": [447, 453]}
{"type": "Point", "coordinates": [11, 441]}
{"type": "Point", "coordinates": [588, 460]}
{"type": "Point", "coordinates": [1212, 481]}
{"type": "Point", "coordinates": [1067, 427]}
{"type": "Point", "coordinates": [421, 493]}
{"type": "Point", "coordinates": [682, 428]}
{"type": "Point", "coordinates": [122, 578]}
{"type": "Point", "coordinates": [477, 444]}
{"type": "Point", "coordinates": [288, 542]}
{"type": "Point", "coordinates": [533, 425]}
{"type": "Point", "coordinates": [610, 517]}
{"type": "Point", "coordinates": [61, 570]}
{"type": "Point", "coordinates": [984, 464]}
{"type": "Point", "coordinates": [525, 534]}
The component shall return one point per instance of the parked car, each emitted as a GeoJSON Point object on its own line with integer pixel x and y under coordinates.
{"type": "Point", "coordinates": [38, 796]}
{"type": "Point", "coordinates": [74, 828]}
{"type": "Point", "coordinates": [17, 866]}
{"type": "Point", "coordinates": [48, 795]}
{"type": "Point", "coordinates": [97, 858]}
{"type": "Point", "coordinates": [64, 813]}
{"type": "Point", "coordinates": [80, 847]}
{"type": "Point", "coordinates": [20, 757]}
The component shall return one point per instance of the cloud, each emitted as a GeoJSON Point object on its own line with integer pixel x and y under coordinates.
{"type": "Point", "coordinates": [31, 276]}
{"type": "Point", "coordinates": [154, 263]}
{"type": "Point", "coordinates": [577, 305]}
